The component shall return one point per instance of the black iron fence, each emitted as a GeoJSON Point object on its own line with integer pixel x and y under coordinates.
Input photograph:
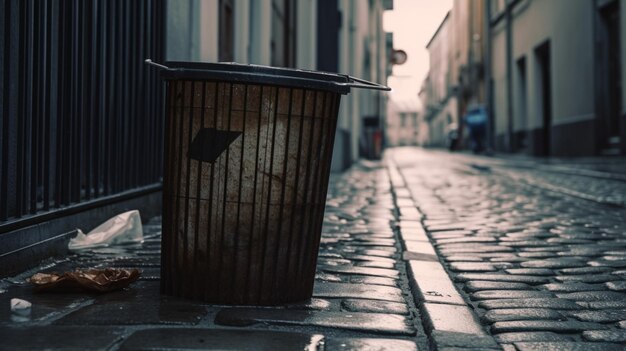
{"type": "Point", "coordinates": [80, 114]}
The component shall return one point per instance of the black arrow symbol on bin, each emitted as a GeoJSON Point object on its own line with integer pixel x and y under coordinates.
{"type": "Point", "coordinates": [210, 143]}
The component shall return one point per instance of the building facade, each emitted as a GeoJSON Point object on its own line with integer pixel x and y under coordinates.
{"type": "Point", "coordinates": [549, 72]}
{"type": "Point", "coordinates": [363, 52]}
{"type": "Point", "coordinates": [467, 59]}
{"type": "Point", "coordinates": [557, 68]}
{"type": "Point", "coordinates": [344, 36]}
{"type": "Point", "coordinates": [438, 92]}
{"type": "Point", "coordinates": [266, 32]}
{"type": "Point", "coordinates": [456, 79]}
{"type": "Point", "coordinates": [403, 123]}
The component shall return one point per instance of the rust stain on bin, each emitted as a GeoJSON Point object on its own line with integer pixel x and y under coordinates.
{"type": "Point", "coordinates": [245, 228]}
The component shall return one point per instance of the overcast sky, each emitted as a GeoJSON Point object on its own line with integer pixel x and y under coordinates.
{"type": "Point", "coordinates": [413, 23]}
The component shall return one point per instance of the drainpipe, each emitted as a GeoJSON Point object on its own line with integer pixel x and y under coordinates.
{"type": "Point", "coordinates": [509, 71]}
{"type": "Point", "coordinates": [487, 73]}
{"type": "Point", "coordinates": [260, 32]}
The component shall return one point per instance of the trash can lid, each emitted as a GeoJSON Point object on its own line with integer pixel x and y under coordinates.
{"type": "Point", "coordinates": [264, 75]}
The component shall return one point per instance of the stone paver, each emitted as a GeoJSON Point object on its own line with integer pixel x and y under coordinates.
{"type": "Point", "coordinates": [452, 318]}
{"type": "Point", "coordinates": [616, 286]}
{"type": "Point", "coordinates": [605, 335]}
{"type": "Point", "coordinates": [369, 344]}
{"type": "Point", "coordinates": [530, 271]}
{"type": "Point", "coordinates": [555, 303]}
{"type": "Point", "coordinates": [374, 281]}
{"type": "Point", "coordinates": [479, 285]}
{"type": "Point", "coordinates": [365, 291]}
{"type": "Point", "coordinates": [212, 339]}
{"type": "Point", "coordinates": [472, 267]}
{"type": "Point", "coordinates": [446, 339]}
{"type": "Point", "coordinates": [59, 337]}
{"type": "Point", "coordinates": [516, 314]}
{"type": "Point", "coordinates": [354, 305]}
{"type": "Point", "coordinates": [433, 284]}
{"type": "Point", "coordinates": [465, 277]}
{"type": "Point", "coordinates": [531, 336]}
{"type": "Point", "coordinates": [566, 345]}
{"type": "Point", "coordinates": [605, 316]}
{"type": "Point", "coordinates": [587, 278]}
{"type": "Point", "coordinates": [573, 287]}
{"type": "Point", "coordinates": [509, 294]}
{"type": "Point", "coordinates": [540, 325]}
{"type": "Point", "coordinates": [599, 305]}
{"type": "Point", "coordinates": [379, 323]}
{"type": "Point", "coordinates": [594, 296]}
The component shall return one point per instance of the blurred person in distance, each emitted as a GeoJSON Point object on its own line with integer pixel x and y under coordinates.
{"type": "Point", "coordinates": [452, 132]}
{"type": "Point", "coordinates": [476, 121]}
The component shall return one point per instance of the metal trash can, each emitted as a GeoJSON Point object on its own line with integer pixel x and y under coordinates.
{"type": "Point", "coordinates": [247, 159]}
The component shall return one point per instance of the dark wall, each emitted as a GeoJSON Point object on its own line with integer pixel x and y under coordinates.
{"type": "Point", "coordinates": [328, 25]}
{"type": "Point", "coordinates": [574, 139]}
{"type": "Point", "coordinates": [567, 140]}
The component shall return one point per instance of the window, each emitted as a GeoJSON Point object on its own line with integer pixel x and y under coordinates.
{"type": "Point", "coordinates": [226, 35]}
{"type": "Point", "coordinates": [283, 45]}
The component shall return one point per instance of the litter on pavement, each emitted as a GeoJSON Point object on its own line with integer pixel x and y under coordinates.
{"type": "Point", "coordinates": [91, 280]}
{"type": "Point", "coordinates": [20, 307]}
{"type": "Point", "coordinates": [122, 229]}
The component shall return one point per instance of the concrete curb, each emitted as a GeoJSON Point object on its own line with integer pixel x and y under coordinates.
{"type": "Point", "coordinates": [448, 319]}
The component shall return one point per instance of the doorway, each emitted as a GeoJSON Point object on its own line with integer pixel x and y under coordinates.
{"type": "Point", "coordinates": [544, 99]}
{"type": "Point", "coordinates": [520, 136]}
{"type": "Point", "coordinates": [610, 75]}
{"type": "Point", "coordinates": [226, 51]}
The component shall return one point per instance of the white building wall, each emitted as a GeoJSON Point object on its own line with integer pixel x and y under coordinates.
{"type": "Point", "coordinates": [260, 33]}
{"type": "Point", "coordinates": [571, 51]}
{"type": "Point", "coordinates": [361, 34]}
{"type": "Point", "coordinates": [500, 99]}
{"type": "Point", "coordinates": [192, 27]}
{"type": "Point", "coordinates": [398, 132]}
{"type": "Point", "coordinates": [242, 31]}
{"type": "Point", "coordinates": [571, 44]}
{"type": "Point", "coordinates": [440, 97]}
{"type": "Point", "coordinates": [306, 43]}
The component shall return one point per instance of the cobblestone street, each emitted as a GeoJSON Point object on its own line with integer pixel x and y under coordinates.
{"type": "Point", "coordinates": [425, 250]}
{"type": "Point", "coordinates": [538, 250]}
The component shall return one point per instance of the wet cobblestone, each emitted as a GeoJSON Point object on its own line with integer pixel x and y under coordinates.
{"type": "Point", "coordinates": [361, 299]}
{"type": "Point", "coordinates": [538, 252]}
{"type": "Point", "coordinates": [421, 251]}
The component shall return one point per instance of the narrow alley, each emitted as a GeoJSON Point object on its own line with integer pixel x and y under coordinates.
{"type": "Point", "coordinates": [423, 250]}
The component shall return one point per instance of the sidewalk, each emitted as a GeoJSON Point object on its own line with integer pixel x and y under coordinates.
{"type": "Point", "coordinates": [423, 251]}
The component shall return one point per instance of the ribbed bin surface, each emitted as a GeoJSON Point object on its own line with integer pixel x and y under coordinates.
{"type": "Point", "coordinates": [244, 189]}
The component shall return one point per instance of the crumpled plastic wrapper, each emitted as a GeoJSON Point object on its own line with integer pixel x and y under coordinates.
{"type": "Point", "coordinates": [91, 280]}
{"type": "Point", "coordinates": [121, 229]}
